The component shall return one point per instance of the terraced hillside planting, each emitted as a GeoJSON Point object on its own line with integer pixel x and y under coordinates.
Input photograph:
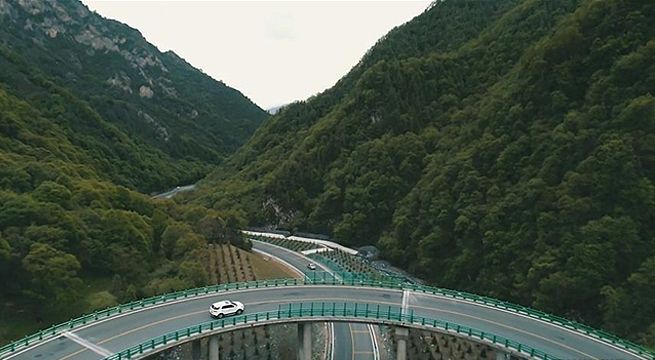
{"type": "Point", "coordinates": [290, 244]}
{"type": "Point", "coordinates": [348, 262]}
{"type": "Point", "coordinates": [226, 263]}
{"type": "Point", "coordinates": [334, 259]}
{"type": "Point", "coordinates": [92, 119]}
{"type": "Point", "coordinates": [479, 137]}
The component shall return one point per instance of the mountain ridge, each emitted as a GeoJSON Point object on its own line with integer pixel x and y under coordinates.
{"type": "Point", "coordinates": [157, 99]}
{"type": "Point", "coordinates": [477, 138]}
{"type": "Point", "coordinates": [92, 118]}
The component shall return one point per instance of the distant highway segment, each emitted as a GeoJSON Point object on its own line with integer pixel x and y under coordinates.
{"type": "Point", "coordinates": [351, 341]}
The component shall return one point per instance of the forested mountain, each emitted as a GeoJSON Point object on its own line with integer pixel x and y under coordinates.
{"type": "Point", "coordinates": [89, 114]}
{"type": "Point", "coordinates": [148, 119]}
{"type": "Point", "coordinates": [503, 147]}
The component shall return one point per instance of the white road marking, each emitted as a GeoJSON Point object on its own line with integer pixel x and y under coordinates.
{"type": "Point", "coordinates": [404, 299]}
{"type": "Point", "coordinates": [374, 341]}
{"type": "Point", "coordinates": [323, 299]}
{"type": "Point", "coordinates": [87, 344]}
{"type": "Point", "coordinates": [332, 341]}
{"type": "Point", "coordinates": [323, 267]}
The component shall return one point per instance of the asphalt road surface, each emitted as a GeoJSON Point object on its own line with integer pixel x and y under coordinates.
{"type": "Point", "coordinates": [97, 339]}
{"type": "Point", "coordinates": [352, 340]}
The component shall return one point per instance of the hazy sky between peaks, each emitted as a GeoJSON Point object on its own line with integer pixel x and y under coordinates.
{"type": "Point", "coordinates": [273, 52]}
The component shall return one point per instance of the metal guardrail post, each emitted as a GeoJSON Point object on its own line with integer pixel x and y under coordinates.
{"type": "Point", "coordinates": [361, 281]}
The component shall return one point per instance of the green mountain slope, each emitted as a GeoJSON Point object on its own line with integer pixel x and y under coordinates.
{"type": "Point", "coordinates": [75, 146]}
{"type": "Point", "coordinates": [176, 119]}
{"type": "Point", "coordinates": [501, 147]}
{"type": "Point", "coordinates": [71, 241]}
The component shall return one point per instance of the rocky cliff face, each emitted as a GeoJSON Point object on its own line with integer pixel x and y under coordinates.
{"type": "Point", "coordinates": [46, 20]}
{"type": "Point", "coordinates": [156, 97]}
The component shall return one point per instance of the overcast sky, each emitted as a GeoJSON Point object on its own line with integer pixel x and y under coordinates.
{"type": "Point", "coordinates": [273, 52]}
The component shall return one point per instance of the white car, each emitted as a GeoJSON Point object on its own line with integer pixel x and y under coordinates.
{"type": "Point", "coordinates": [226, 308]}
{"type": "Point", "coordinates": [311, 266]}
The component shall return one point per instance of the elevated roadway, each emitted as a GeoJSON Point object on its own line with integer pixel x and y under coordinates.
{"type": "Point", "coordinates": [351, 340]}
{"type": "Point", "coordinates": [101, 336]}
{"type": "Point", "coordinates": [111, 335]}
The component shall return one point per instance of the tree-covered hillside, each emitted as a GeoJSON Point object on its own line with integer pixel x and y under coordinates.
{"type": "Point", "coordinates": [61, 57]}
{"type": "Point", "coordinates": [71, 241]}
{"type": "Point", "coordinates": [503, 147]}
{"type": "Point", "coordinates": [89, 114]}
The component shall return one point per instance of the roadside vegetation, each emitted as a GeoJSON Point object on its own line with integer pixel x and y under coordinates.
{"type": "Point", "coordinates": [500, 147]}
{"type": "Point", "coordinates": [80, 144]}
{"type": "Point", "coordinates": [226, 263]}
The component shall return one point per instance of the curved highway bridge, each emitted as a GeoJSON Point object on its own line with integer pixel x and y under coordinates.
{"type": "Point", "coordinates": [143, 327]}
{"type": "Point", "coordinates": [348, 340]}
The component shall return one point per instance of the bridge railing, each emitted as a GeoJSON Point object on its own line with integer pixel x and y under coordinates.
{"type": "Point", "coordinates": [344, 278]}
{"type": "Point", "coordinates": [318, 278]}
{"type": "Point", "coordinates": [553, 319]}
{"type": "Point", "coordinates": [56, 330]}
{"type": "Point", "coordinates": [322, 278]}
{"type": "Point", "coordinates": [326, 311]}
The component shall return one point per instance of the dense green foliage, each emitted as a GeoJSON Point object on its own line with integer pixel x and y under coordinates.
{"type": "Point", "coordinates": [503, 147]}
{"type": "Point", "coordinates": [61, 222]}
{"type": "Point", "coordinates": [147, 119]}
{"type": "Point", "coordinates": [75, 235]}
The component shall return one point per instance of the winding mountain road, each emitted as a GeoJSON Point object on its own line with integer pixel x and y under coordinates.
{"type": "Point", "coordinates": [352, 340]}
{"type": "Point", "coordinates": [113, 334]}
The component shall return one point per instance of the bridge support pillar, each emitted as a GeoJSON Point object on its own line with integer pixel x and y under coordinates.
{"type": "Point", "coordinates": [213, 347]}
{"type": "Point", "coordinates": [195, 350]}
{"type": "Point", "coordinates": [402, 334]}
{"type": "Point", "coordinates": [304, 341]}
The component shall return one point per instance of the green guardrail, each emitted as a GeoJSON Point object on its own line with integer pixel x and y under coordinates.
{"type": "Point", "coordinates": [341, 311]}
{"type": "Point", "coordinates": [553, 319]}
{"type": "Point", "coordinates": [57, 329]}
{"type": "Point", "coordinates": [318, 278]}
{"type": "Point", "coordinates": [322, 278]}
{"type": "Point", "coordinates": [327, 262]}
